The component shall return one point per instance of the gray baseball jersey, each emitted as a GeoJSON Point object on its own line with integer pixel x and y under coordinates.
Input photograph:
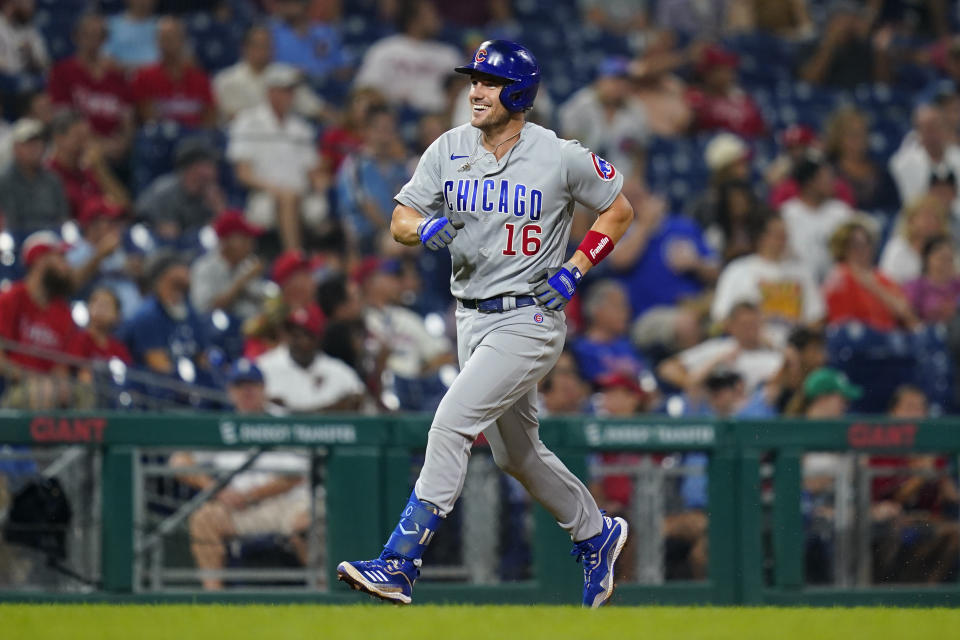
{"type": "Point", "coordinates": [517, 214]}
{"type": "Point", "coordinates": [516, 211]}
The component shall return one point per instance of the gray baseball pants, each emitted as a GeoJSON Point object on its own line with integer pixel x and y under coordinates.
{"type": "Point", "coordinates": [502, 358]}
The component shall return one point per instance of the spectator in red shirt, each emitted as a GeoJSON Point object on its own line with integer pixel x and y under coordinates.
{"type": "Point", "coordinates": [97, 342]}
{"type": "Point", "coordinates": [35, 314]}
{"type": "Point", "coordinates": [292, 271]}
{"type": "Point", "coordinates": [174, 88]}
{"type": "Point", "coordinates": [719, 103]}
{"type": "Point", "coordinates": [620, 396]}
{"type": "Point", "coordinates": [856, 291]}
{"type": "Point", "coordinates": [95, 87]}
{"type": "Point", "coordinates": [796, 140]}
{"type": "Point", "coordinates": [916, 539]}
{"type": "Point", "coordinates": [78, 159]}
{"type": "Point", "coordinates": [345, 138]}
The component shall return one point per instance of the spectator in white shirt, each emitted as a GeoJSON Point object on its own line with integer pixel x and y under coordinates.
{"type": "Point", "coordinates": [607, 119]}
{"type": "Point", "coordinates": [22, 49]}
{"type": "Point", "coordinates": [260, 500]}
{"type": "Point", "coordinates": [924, 149]}
{"type": "Point", "coordinates": [923, 219]}
{"type": "Point", "coordinates": [228, 277]}
{"type": "Point", "coordinates": [414, 354]}
{"type": "Point", "coordinates": [814, 214]}
{"type": "Point", "coordinates": [410, 67]}
{"type": "Point", "coordinates": [303, 379]}
{"type": "Point", "coordinates": [781, 286]}
{"type": "Point", "coordinates": [943, 186]}
{"type": "Point", "coordinates": [275, 156]}
{"type": "Point", "coordinates": [743, 349]}
{"type": "Point", "coordinates": [243, 85]}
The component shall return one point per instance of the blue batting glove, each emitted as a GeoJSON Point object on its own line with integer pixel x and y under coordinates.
{"type": "Point", "coordinates": [554, 287]}
{"type": "Point", "coordinates": [436, 233]}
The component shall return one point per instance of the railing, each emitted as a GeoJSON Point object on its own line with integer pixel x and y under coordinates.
{"type": "Point", "coordinates": [112, 384]}
{"type": "Point", "coordinates": [361, 469]}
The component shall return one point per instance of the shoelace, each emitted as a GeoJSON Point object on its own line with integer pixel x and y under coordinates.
{"type": "Point", "coordinates": [588, 555]}
{"type": "Point", "coordinates": [396, 563]}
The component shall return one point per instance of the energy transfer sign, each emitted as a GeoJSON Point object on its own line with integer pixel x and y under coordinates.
{"type": "Point", "coordinates": [652, 435]}
{"type": "Point", "coordinates": [233, 432]}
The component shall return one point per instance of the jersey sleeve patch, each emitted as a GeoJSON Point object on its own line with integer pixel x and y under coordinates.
{"type": "Point", "coordinates": [604, 169]}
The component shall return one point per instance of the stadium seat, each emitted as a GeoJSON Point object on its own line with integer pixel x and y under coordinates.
{"type": "Point", "coordinates": [109, 7]}
{"type": "Point", "coordinates": [216, 44]}
{"type": "Point", "coordinates": [268, 551]}
{"type": "Point", "coordinates": [881, 361]}
{"type": "Point", "coordinates": [56, 26]}
{"type": "Point", "coordinates": [225, 332]}
{"type": "Point", "coordinates": [152, 153]}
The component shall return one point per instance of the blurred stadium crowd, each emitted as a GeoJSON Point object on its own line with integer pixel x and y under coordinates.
{"type": "Point", "coordinates": [195, 201]}
{"type": "Point", "coordinates": [196, 197]}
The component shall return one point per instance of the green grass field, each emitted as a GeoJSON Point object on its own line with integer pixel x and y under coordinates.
{"type": "Point", "coordinates": [309, 622]}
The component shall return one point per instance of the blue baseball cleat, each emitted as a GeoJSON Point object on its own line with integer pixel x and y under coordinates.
{"type": "Point", "coordinates": [388, 578]}
{"type": "Point", "coordinates": [599, 554]}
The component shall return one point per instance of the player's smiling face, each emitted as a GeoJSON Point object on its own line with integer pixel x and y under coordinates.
{"type": "Point", "coordinates": [487, 112]}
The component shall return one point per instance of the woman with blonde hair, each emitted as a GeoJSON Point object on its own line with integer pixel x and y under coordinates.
{"type": "Point", "coordinates": [856, 291]}
{"type": "Point", "coordinates": [847, 147]}
{"type": "Point", "coordinates": [923, 219]}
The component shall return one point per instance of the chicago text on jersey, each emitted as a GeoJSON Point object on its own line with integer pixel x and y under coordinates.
{"type": "Point", "coordinates": [489, 195]}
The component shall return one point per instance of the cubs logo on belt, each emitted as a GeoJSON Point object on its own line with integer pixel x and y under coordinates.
{"type": "Point", "coordinates": [481, 55]}
{"type": "Point", "coordinates": [604, 169]}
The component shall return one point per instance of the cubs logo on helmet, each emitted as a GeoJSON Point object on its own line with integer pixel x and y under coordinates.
{"type": "Point", "coordinates": [514, 64]}
{"type": "Point", "coordinates": [604, 169]}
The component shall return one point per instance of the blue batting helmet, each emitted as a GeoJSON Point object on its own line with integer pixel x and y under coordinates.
{"type": "Point", "coordinates": [512, 62]}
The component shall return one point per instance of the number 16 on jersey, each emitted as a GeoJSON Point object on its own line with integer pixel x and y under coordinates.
{"type": "Point", "coordinates": [528, 239]}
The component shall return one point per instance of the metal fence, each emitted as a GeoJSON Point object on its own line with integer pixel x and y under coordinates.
{"type": "Point", "coordinates": [721, 512]}
{"type": "Point", "coordinates": [184, 536]}
{"type": "Point", "coordinates": [871, 520]}
{"type": "Point", "coordinates": [663, 498]}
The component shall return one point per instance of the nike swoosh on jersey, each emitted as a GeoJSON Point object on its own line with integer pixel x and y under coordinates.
{"type": "Point", "coordinates": [453, 157]}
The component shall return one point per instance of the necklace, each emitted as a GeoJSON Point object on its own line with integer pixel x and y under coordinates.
{"type": "Point", "coordinates": [466, 165]}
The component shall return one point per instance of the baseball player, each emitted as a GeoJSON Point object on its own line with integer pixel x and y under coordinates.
{"type": "Point", "coordinates": [500, 193]}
